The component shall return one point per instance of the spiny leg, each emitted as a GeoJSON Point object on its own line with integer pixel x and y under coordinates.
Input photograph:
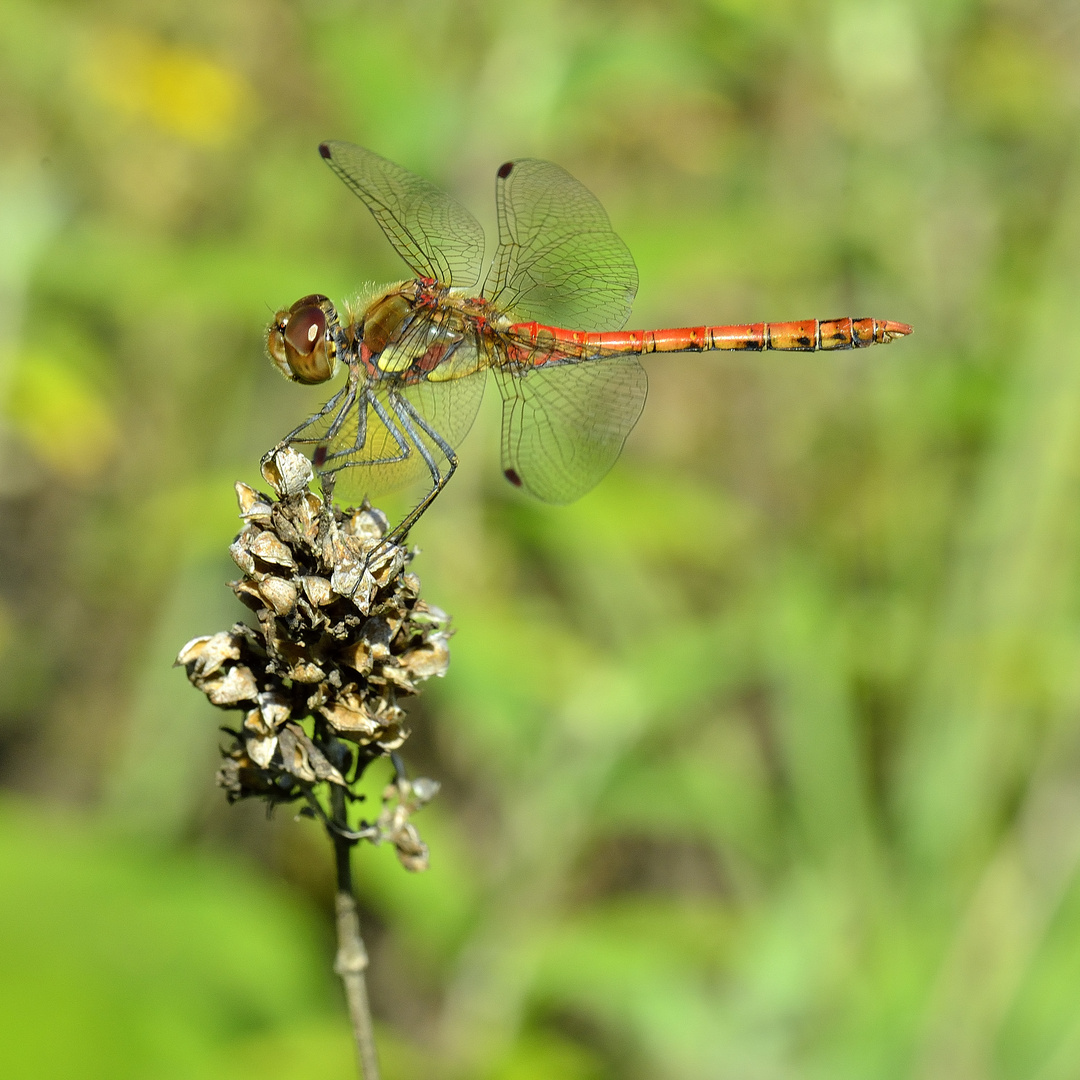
{"type": "Point", "coordinates": [343, 412]}
{"type": "Point", "coordinates": [328, 407]}
{"type": "Point", "coordinates": [404, 424]}
{"type": "Point", "coordinates": [404, 448]}
{"type": "Point", "coordinates": [328, 477]}
{"type": "Point", "coordinates": [346, 394]}
{"type": "Point", "coordinates": [408, 416]}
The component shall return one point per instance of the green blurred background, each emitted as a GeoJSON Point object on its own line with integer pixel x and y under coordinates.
{"type": "Point", "coordinates": [760, 762]}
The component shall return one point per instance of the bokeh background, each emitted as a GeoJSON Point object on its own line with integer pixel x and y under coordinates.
{"type": "Point", "coordinates": [760, 762]}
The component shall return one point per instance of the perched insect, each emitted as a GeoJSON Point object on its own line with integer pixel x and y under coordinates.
{"type": "Point", "coordinates": [546, 322]}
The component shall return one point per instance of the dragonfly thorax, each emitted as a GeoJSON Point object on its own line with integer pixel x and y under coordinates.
{"type": "Point", "coordinates": [383, 321]}
{"type": "Point", "coordinates": [418, 331]}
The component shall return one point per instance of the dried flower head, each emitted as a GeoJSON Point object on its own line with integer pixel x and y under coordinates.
{"type": "Point", "coordinates": [401, 800]}
{"type": "Point", "coordinates": [341, 637]}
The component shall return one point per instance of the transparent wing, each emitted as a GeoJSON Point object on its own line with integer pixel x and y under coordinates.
{"type": "Point", "coordinates": [564, 424]}
{"type": "Point", "coordinates": [435, 235]}
{"type": "Point", "coordinates": [369, 443]}
{"type": "Point", "coordinates": [558, 261]}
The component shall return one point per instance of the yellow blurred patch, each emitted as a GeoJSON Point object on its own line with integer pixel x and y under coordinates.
{"type": "Point", "coordinates": [67, 423]}
{"type": "Point", "coordinates": [179, 89]}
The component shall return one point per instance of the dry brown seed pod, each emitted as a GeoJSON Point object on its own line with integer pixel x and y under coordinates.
{"type": "Point", "coordinates": [349, 713]}
{"type": "Point", "coordinates": [279, 594]}
{"type": "Point", "coordinates": [306, 514]}
{"type": "Point", "coordinates": [391, 673]}
{"type": "Point", "coordinates": [306, 673]}
{"type": "Point", "coordinates": [346, 576]}
{"type": "Point", "coordinates": [231, 688]}
{"type": "Point", "coordinates": [358, 656]}
{"type": "Point", "coordinates": [261, 749]}
{"type": "Point", "coordinates": [192, 650]}
{"type": "Point", "coordinates": [242, 556]}
{"type": "Point", "coordinates": [294, 757]}
{"type": "Point", "coordinates": [368, 525]}
{"type": "Point", "coordinates": [363, 596]}
{"type": "Point", "coordinates": [336, 611]}
{"type": "Point", "coordinates": [412, 852]}
{"type": "Point", "coordinates": [255, 722]}
{"type": "Point", "coordinates": [240, 776]}
{"type": "Point", "coordinates": [253, 505]}
{"type": "Point", "coordinates": [317, 590]}
{"type": "Point", "coordinates": [304, 759]}
{"type": "Point", "coordinates": [430, 660]}
{"type": "Point", "coordinates": [209, 653]}
{"type": "Point", "coordinates": [287, 472]}
{"type": "Point", "coordinates": [282, 649]}
{"type": "Point", "coordinates": [275, 708]}
{"type": "Point", "coordinates": [246, 591]}
{"type": "Point", "coordinates": [366, 720]}
{"type": "Point", "coordinates": [269, 548]}
{"type": "Point", "coordinates": [386, 563]}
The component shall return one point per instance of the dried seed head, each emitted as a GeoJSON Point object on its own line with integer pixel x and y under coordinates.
{"type": "Point", "coordinates": [401, 800]}
{"type": "Point", "coordinates": [340, 636]}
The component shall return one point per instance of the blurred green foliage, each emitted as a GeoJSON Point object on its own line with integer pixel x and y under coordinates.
{"type": "Point", "coordinates": [761, 761]}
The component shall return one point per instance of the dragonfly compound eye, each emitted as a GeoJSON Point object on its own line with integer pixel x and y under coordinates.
{"type": "Point", "coordinates": [299, 344]}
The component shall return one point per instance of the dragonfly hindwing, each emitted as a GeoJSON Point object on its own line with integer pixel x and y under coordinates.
{"type": "Point", "coordinates": [564, 426]}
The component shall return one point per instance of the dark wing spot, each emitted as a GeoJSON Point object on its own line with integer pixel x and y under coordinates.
{"type": "Point", "coordinates": [503, 173]}
{"type": "Point", "coordinates": [318, 459]}
{"type": "Point", "coordinates": [324, 150]}
{"type": "Point", "coordinates": [512, 476]}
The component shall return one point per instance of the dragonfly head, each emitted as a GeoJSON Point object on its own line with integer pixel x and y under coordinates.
{"type": "Point", "coordinates": [301, 343]}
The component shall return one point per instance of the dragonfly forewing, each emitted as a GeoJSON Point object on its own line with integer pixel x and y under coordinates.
{"type": "Point", "coordinates": [558, 261]}
{"type": "Point", "coordinates": [435, 235]}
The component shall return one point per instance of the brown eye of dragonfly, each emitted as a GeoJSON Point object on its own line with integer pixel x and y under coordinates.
{"type": "Point", "coordinates": [300, 343]}
{"type": "Point", "coordinates": [305, 329]}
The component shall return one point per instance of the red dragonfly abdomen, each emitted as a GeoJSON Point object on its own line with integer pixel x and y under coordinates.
{"type": "Point", "coordinates": [549, 343]}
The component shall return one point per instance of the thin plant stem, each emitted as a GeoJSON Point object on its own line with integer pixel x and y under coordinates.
{"type": "Point", "coordinates": [351, 960]}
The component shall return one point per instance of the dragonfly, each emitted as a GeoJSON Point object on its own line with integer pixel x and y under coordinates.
{"type": "Point", "coordinates": [546, 322]}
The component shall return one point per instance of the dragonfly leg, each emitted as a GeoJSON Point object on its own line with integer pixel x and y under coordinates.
{"type": "Point", "coordinates": [407, 428]}
{"type": "Point", "coordinates": [328, 473]}
{"type": "Point", "coordinates": [343, 412]}
{"type": "Point", "coordinates": [410, 420]}
{"type": "Point", "coordinates": [341, 401]}
{"type": "Point", "coordinates": [347, 391]}
{"type": "Point", "coordinates": [403, 443]}
{"type": "Point", "coordinates": [292, 436]}
{"type": "Point", "coordinates": [404, 451]}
